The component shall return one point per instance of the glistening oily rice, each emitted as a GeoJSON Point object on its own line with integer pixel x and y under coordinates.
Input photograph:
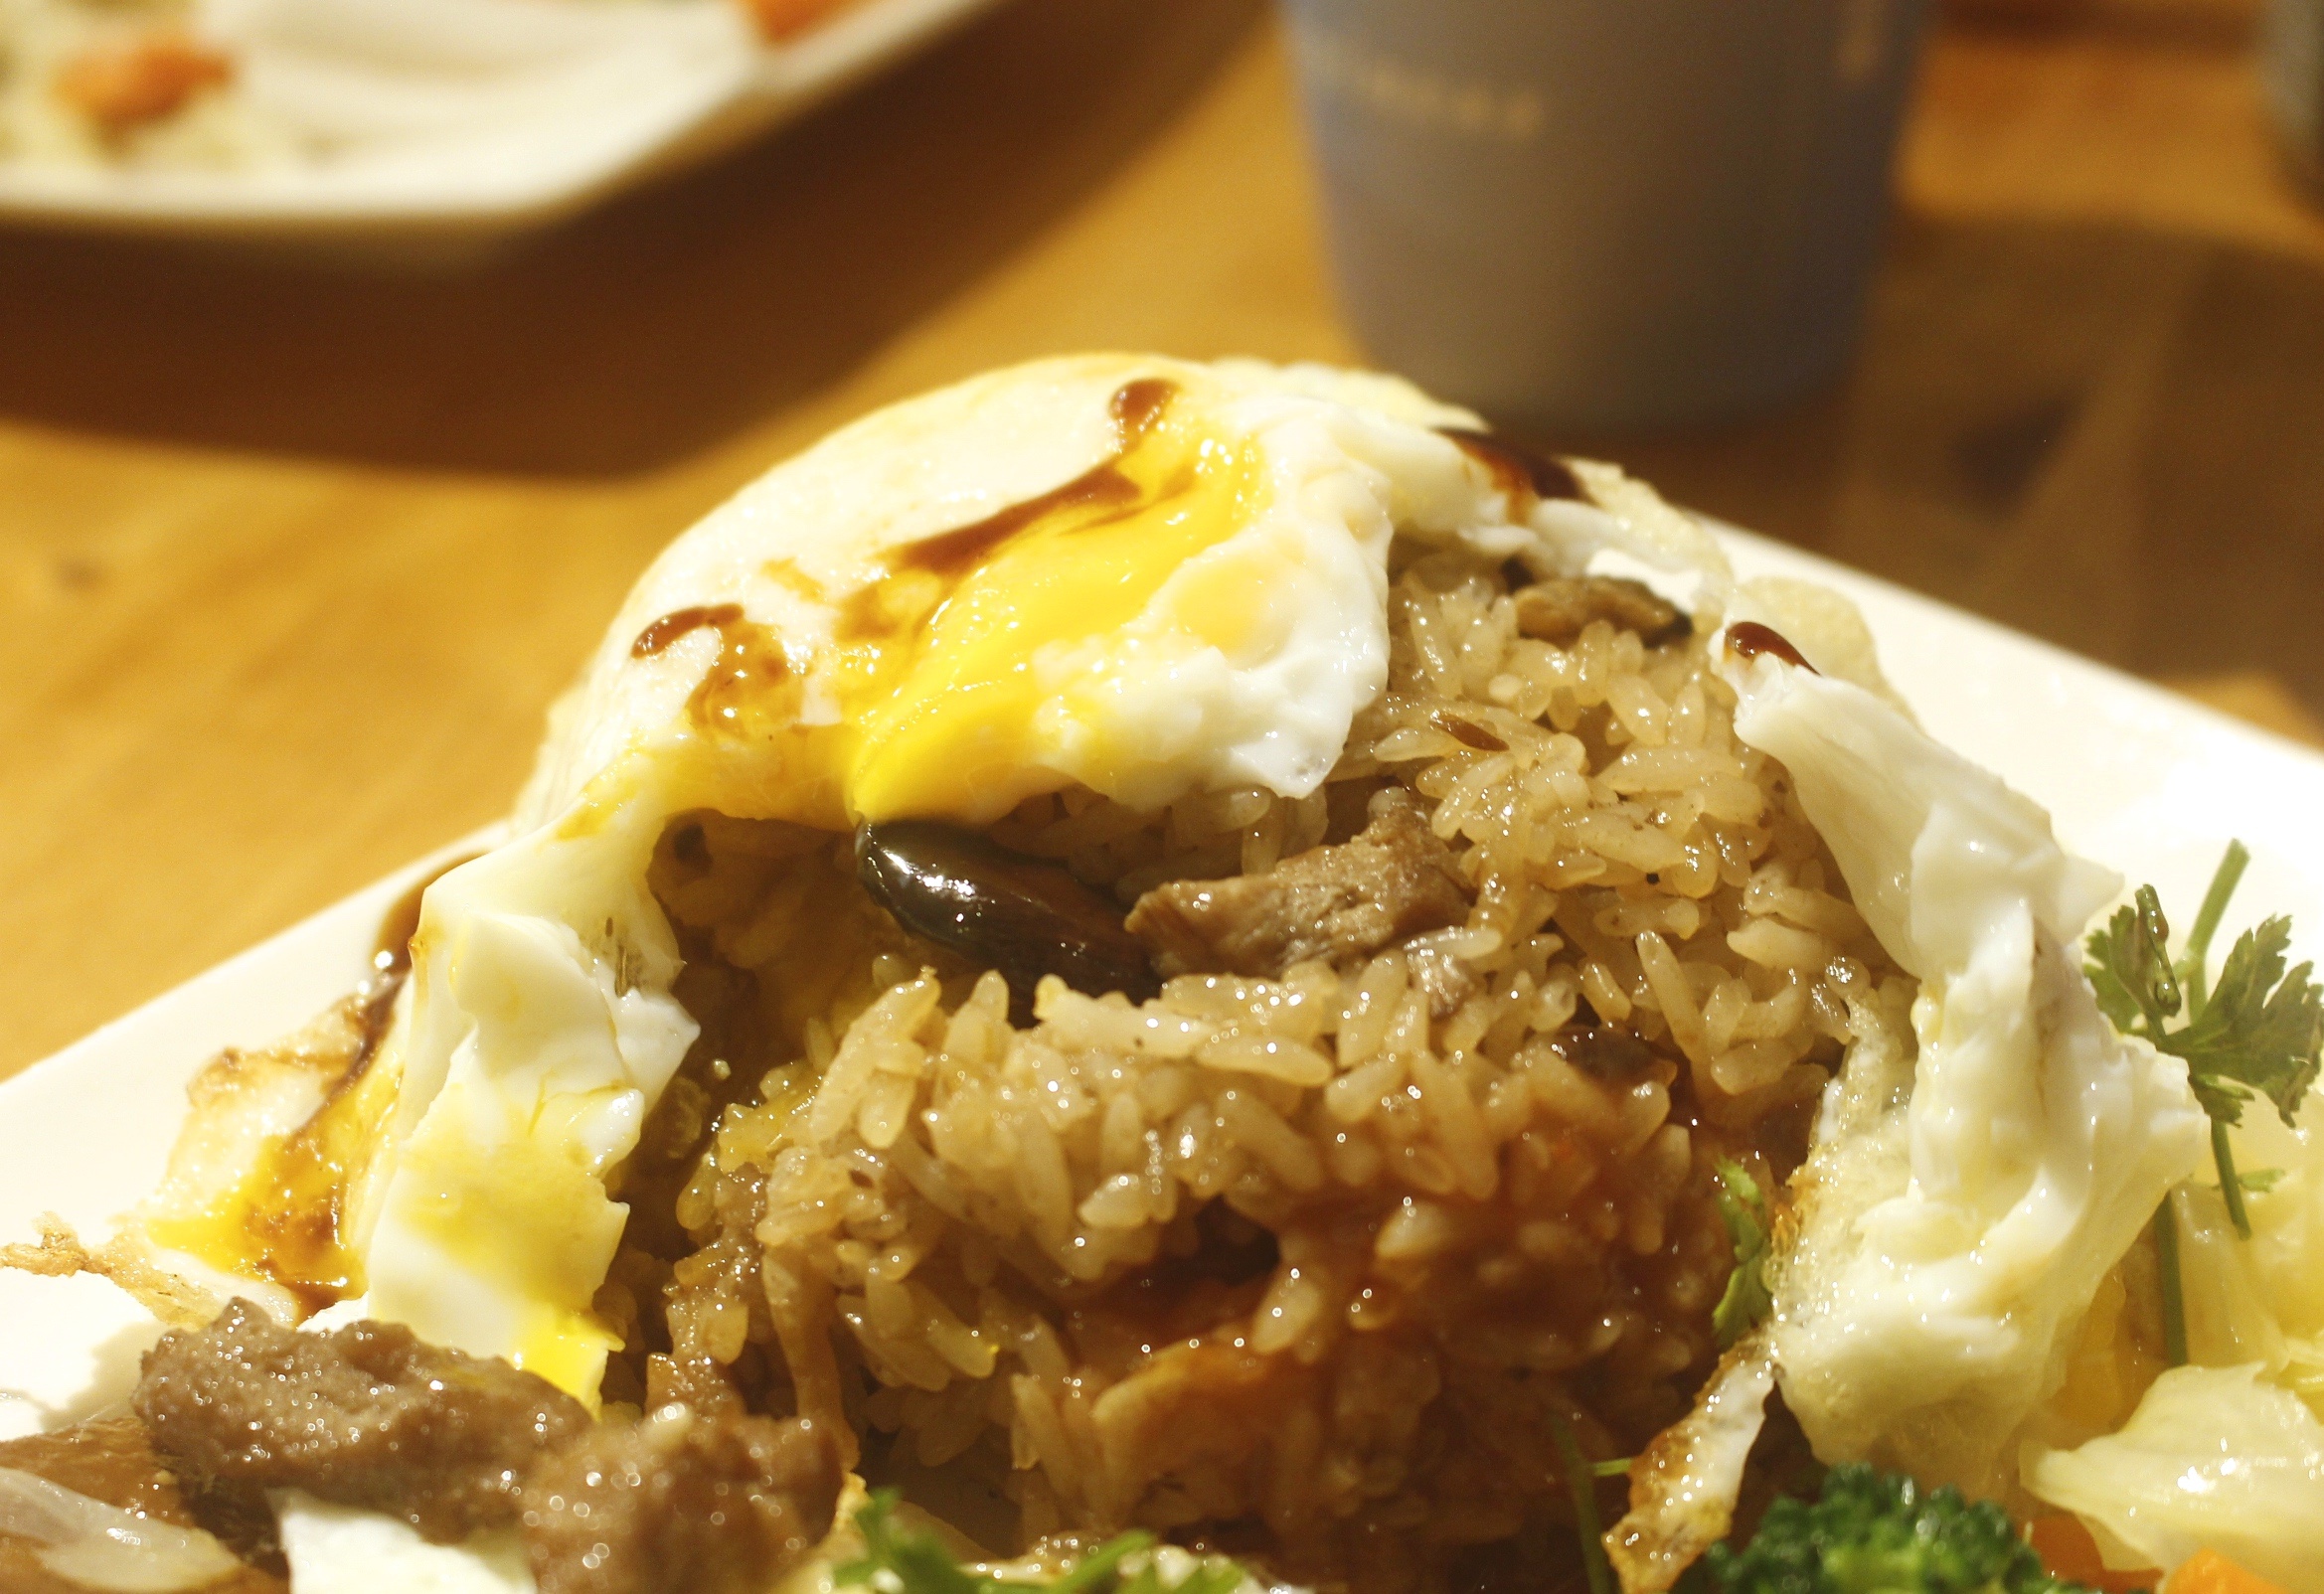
{"type": "Point", "coordinates": [1135, 947]}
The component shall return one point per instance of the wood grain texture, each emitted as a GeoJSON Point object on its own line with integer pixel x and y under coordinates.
{"type": "Point", "coordinates": [293, 558]}
{"type": "Point", "coordinates": [2091, 389]}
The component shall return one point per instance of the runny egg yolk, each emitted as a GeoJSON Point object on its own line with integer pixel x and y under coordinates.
{"type": "Point", "coordinates": [948, 667]}
{"type": "Point", "coordinates": [961, 718]}
{"type": "Point", "coordinates": [945, 663]}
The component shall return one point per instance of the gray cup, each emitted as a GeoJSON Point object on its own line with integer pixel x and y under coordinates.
{"type": "Point", "coordinates": [2293, 57]}
{"type": "Point", "coordinates": [1605, 213]}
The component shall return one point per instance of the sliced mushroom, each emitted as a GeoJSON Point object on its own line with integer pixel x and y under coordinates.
{"type": "Point", "coordinates": [1614, 1056]}
{"type": "Point", "coordinates": [1001, 910]}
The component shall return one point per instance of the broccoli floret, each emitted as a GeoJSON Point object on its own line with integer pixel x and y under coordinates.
{"type": "Point", "coordinates": [1876, 1532]}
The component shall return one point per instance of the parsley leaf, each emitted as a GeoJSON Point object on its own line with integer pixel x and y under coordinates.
{"type": "Point", "coordinates": [1742, 1205]}
{"type": "Point", "coordinates": [2259, 1035]}
{"type": "Point", "coordinates": [896, 1561]}
{"type": "Point", "coordinates": [2130, 967]}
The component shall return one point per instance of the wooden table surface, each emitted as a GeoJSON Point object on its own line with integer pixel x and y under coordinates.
{"type": "Point", "coordinates": [291, 561]}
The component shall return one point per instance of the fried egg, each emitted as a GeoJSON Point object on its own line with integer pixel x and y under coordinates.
{"type": "Point", "coordinates": [1147, 580]}
{"type": "Point", "coordinates": [1136, 576]}
{"type": "Point", "coordinates": [1968, 1193]}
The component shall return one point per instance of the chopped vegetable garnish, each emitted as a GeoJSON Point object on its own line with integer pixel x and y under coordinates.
{"type": "Point", "coordinates": [2130, 966]}
{"type": "Point", "coordinates": [1743, 1206]}
{"type": "Point", "coordinates": [896, 1561]}
{"type": "Point", "coordinates": [2207, 1572]}
{"type": "Point", "coordinates": [2174, 1294]}
{"type": "Point", "coordinates": [1877, 1533]}
{"type": "Point", "coordinates": [2195, 965]}
{"type": "Point", "coordinates": [2071, 1556]}
{"type": "Point", "coordinates": [2260, 1032]}
{"type": "Point", "coordinates": [1581, 1485]}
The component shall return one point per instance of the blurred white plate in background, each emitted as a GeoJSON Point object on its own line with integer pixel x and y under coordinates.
{"type": "Point", "coordinates": [446, 125]}
{"type": "Point", "coordinates": [2143, 782]}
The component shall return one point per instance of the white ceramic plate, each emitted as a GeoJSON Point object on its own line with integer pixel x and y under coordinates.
{"type": "Point", "coordinates": [2142, 781]}
{"type": "Point", "coordinates": [458, 123]}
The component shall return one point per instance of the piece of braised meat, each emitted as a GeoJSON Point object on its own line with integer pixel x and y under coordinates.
{"type": "Point", "coordinates": [368, 1415]}
{"type": "Point", "coordinates": [1557, 609]}
{"type": "Point", "coordinates": [1392, 881]}
{"type": "Point", "coordinates": [681, 1504]}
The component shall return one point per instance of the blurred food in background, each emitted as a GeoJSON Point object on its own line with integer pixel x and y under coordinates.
{"type": "Point", "coordinates": [234, 84]}
{"type": "Point", "coordinates": [405, 131]}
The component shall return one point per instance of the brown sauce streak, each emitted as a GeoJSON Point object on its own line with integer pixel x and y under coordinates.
{"type": "Point", "coordinates": [1137, 408]}
{"type": "Point", "coordinates": [1467, 734]}
{"type": "Point", "coordinates": [729, 696]}
{"type": "Point", "coordinates": [309, 1172]}
{"type": "Point", "coordinates": [391, 962]}
{"type": "Point", "coordinates": [1517, 470]}
{"type": "Point", "coordinates": [733, 697]}
{"type": "Point", "coordinates": [306, 1168]}
{"type": "Point", "coordinates": [678, 622]}
{"type": "Point", "coordinates": [954, 553]}
{"type": "Point", "coordinates": [1748, 639]}
{"type": "Point", "coordinates": [392, 952]}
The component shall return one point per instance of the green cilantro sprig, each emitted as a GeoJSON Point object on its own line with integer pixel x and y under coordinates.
{"type": "Point", "coordinates": [1582, 1487]}
{"type": "Point", "coordinates": [1742, 1205]}
{"type": "Point", "coordinates": [2259, 1034]}
{"type": "Point", "coordinates": [897, 1560]}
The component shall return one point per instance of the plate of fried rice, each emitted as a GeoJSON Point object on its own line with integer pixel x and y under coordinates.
{"type": "Point", "coordinates": [413, 126]}
{"type": "Point", "coordinates": [1210, 976]}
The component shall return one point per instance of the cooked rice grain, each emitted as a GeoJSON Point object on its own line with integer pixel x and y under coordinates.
{"type": "Point", "coordinates": [1323, 1254]}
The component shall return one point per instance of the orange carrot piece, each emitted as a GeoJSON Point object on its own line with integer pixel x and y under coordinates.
{"type": "Point", "coordinates": [128, 82]}
{"type": "Point", "coordinates": [2207, 1572]}
{"type": "Point", "coordinates": [2068, 1550]}
{"type": "Point", "coordinates": [781, 19]}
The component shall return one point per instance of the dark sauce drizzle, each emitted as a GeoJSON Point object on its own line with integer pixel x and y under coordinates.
{"type": "Point", "coordinates": [1517, 470]}
{"type": "Point", "coordinates": [1748, 639]}
{"type": "Point", "coordinates": [391, 966]}
{"type": "Point", "coordinates": [1467, 734]}
{"type": "Point", "coordinates": [392, 953]}
{"type": "Point", "coordinates": [678, 622]}
{"type": "Point", "coordinates": [747, 655]}
{"type": "Point", "coordinates": [1137, 408]}
{"type": "Point", "coordinates": [732, 696]}
{"type": "Point", "coordinates": [293, 1231]}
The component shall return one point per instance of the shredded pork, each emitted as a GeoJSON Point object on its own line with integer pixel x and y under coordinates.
{"type": "Point", "coordinates": [1394, 880]}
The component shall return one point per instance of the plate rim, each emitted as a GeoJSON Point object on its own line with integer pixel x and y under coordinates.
{"type": "Point", "coordinates": [786, 80]}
